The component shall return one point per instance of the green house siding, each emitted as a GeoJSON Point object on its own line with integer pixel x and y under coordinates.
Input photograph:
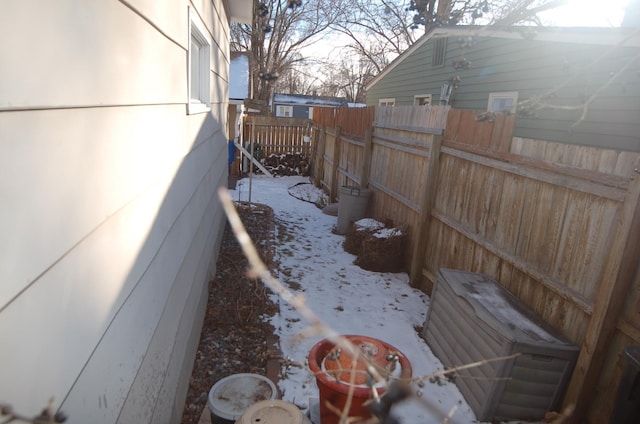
{"type": "Point", "coordinates": [531, 67]}
{"type": "Point", "coordinates": [413, 76]}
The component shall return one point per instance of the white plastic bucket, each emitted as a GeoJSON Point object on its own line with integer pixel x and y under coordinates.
{"type": "Point", "coordinates": [273, 412]}
{"type": "Point", "coordinates": [231, 396]}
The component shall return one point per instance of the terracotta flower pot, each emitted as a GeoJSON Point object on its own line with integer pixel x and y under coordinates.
{"type": "Point", "coordinates": [332, 369]}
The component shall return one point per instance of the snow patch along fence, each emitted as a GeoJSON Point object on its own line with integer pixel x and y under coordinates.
{"type": "Point", "coordinates": [555, 224]}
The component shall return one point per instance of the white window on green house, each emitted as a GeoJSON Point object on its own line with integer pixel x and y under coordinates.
{"type": "Point", "coordinates": [422, 100]}
{"type": "Point", "coordinates": [503, 102]}
{"type": "Point", "coordinates": [199, 78]}
{"type": "Point", "coordinates": [387, 102]}
{"type": "Point", "coordinates": [284, 111]}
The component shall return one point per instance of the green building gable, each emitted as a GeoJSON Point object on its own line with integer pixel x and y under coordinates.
{"type": "Point", "coordinates": [572, 85]}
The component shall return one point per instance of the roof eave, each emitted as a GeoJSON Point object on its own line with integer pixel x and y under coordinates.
{"type": "Point", "coordinates": [240, 11]}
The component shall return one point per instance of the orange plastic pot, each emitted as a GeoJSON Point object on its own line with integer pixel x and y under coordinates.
{"type": "Point", "coordinates": [332, 369]}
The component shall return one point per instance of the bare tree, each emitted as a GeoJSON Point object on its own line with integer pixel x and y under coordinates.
{"type": "Point", "coordinates": [379, 30]}
{"type": "Point", "coordinates": [280, 30]}
{"type": "Point", "coordinates": [432, 13]}
{"type": "Point", "coordinates": [524, 11]}
{"type": "Point", "coordinates": [349, 78]}
{"type": "Point", "coordinates": [300, 78]}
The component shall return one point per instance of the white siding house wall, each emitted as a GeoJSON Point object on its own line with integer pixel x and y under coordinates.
{"type": "Point", "coordinates": [109, 217]}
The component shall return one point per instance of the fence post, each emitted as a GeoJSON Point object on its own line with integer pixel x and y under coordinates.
{"type": "Point", "coordinates": [614, 287]}
{"type": "Point", "coordinates": [366, 157]}
{"type": "Point", "coordinates": [430, 186]}
{"type": "Point", "coordinates": [334, 169]}
{"type": "Point", "coordinates": [319, 166]}
{"type": "Point", "coordinates": [313, 155]}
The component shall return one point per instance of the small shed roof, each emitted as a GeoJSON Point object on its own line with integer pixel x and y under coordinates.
{"type": "Point", "coordinates": [305, 100]}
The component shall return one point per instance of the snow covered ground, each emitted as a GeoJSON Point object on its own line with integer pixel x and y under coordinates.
{"type": "Point", "coordinates": [347, 298]}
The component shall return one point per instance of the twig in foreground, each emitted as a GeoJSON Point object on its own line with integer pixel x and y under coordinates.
{"type": "Point", "coordinates": [260, 270]}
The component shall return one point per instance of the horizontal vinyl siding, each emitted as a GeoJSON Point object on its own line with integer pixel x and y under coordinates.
{"type": "Point", "coordinates": [87, 54]}
{"type": "Point", "coordinates": [413, 76]}
{"type": "Point", "coordinates": [168, 17]}
{"type": "Point", "coordinates": [81, 174]}
{"type": "Point", "coordinates": [109, 215]}
{"type": "Point", "coordinates": [134, 324]}
{"type": "Point", "coordinates": [170, 401]}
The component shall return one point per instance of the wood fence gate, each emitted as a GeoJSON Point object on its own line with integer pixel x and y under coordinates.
{"type": "Point", "coordinates": [278, 135]}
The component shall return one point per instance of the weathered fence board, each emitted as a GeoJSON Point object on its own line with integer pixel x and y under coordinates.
{"type": "Point", "coordinates": [493, 132]}
{"type": "Point", "coordinates": [279, 135]}
{"type": "Point", "coordinates": [353, 121]}
{"type": "Point", "coordinates": [399, 161]}
{"type": "Point", "coordinates": [616, 277]}
{"type": "Point", "coordinates": [328, 162]}
{"type": "Point", "coordinates": [335, 163]}
{"type": "Point", "coordinates": [553, 223]}
{"type": "Point", "coordinates": [350, 162]}
{"type": "Point", "coordinates": [583, 157]}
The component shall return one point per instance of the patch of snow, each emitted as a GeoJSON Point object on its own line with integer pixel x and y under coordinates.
{"type": "Point", "coordinates": [368, 224]}
{"type": "Point", "coordinates": [308, 193]}
{"type": "Point", "coordinates": [492, 297]}
{"type": "Point", "coordinates": [350, 300]}
{"type": "Point", "coordinates": [387, 233]}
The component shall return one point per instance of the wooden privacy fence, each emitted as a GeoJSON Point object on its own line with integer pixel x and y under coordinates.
{"type": "Point", "coordinates": [353, 121]}
{"type": "Point", "coordinates": [557, 225]}
{"type": "Point", "coordinates": [279, 135]}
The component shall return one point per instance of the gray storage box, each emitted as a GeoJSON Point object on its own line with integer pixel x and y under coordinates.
{"type": "Point", "coordinates": [471, 318]}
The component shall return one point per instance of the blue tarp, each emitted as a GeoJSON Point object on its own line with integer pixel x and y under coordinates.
{"type": "Point", "coordinates": [232, 152]}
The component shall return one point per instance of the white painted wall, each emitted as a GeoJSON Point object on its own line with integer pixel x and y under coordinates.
{"type": "Point", "coordinates": [109, 219]}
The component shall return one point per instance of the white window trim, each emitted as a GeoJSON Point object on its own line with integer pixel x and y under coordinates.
{"type": "Point", "coordinates": [513, 95]}
{"type": "Point", "coordinates": [282, 110]}
{"type": "Point", "coordinates": [390, 101]}
{"type": "Point", "coordinates": [199, 33]}
{"type": "Point", "coordinates": [422, 96]}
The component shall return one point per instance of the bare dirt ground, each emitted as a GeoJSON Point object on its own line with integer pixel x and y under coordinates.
{"type": "Point", "coordinates": [234, 336]}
